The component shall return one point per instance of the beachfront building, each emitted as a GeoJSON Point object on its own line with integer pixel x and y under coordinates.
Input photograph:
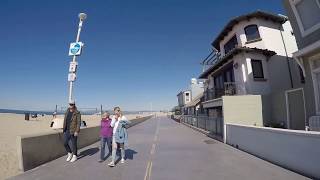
{"type": "Point", "coordinates": [184, 97]}
{"type": "Point", "coordinates": [304, 16]}
{"type": "Point", "coordinates": [253, 78]}
{"type": "Point", "coordinates": [187, 98]}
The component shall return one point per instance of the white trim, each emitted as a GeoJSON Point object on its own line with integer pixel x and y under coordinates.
{"type": "Point", "coordinates": [299, 61]}
{"type": "Point", "coordinates": [303, 31]}
{"type": "Point", "coordinates": [225, 133]}
{"type": "Point", "coordinates": [308, 49]}
{"type": "Point", "coordinates": [287, 105]}
{"type": "Point", "coordinates": [315, 86]}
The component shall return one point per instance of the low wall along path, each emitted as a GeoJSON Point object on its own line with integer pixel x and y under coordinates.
{"type": "Point", "coordinates": [37, 149]}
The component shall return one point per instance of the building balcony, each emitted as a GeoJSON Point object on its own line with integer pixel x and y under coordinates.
{"type": "Point", "coordinates": [230, 89]}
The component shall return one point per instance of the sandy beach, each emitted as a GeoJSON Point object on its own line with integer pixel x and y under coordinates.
{"type": "Point", "coordinates": [13, 125]}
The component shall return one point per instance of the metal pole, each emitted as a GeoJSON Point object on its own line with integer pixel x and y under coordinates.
{"type": "Point", "coordinates": [101, 110]}
{"type": "Point", "coordinates": [74, 60]}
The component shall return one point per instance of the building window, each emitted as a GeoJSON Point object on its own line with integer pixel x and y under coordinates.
{"type": "Point", "coordinates": [231, 44]}
{"type": "Point", "coordinates": [257, 69]}
{"type": "Point", "coordinates": [252, 32]}
{"type": "Point", "coordinates": [307, 13]}
{"type": "Point", "coordinates": [187, 97]}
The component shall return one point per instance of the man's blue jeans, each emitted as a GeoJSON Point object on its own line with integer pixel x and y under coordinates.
{"type": "Point", "coordinates": [70, 137]}
{"type": "Point", "coordinates": [103, 142]}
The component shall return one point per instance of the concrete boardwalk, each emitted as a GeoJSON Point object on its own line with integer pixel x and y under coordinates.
{"type": "Point", "coordinates": [161, 149]}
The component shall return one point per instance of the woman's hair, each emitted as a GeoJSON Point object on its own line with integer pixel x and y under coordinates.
{"type": "Point", "coordinates": [116, 108]}
{"type": "Point", "coordinates": [106, 112]}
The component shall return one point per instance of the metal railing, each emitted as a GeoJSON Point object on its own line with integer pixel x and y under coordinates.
{"type": "Point", "coordinates": [234, 88]}
{"type": "Point", "coordinates": [230, 89]}
{"type": "Point", "coordinates": [212, 124]}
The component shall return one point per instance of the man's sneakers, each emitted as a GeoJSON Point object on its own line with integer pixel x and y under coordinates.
{"type": "Point", "coordinates": [74, 158]}
{"type": "Point", "coordinates": [111, 164]}
{"type": "Point", "coordinates": [69, 156]}
{"type": "Point", "coordinates": [122, 161]}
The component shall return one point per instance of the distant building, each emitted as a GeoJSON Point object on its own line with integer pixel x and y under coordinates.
{"type": "Point", "coordinates": [196, 88]}
{"type": "Point", "coordinates": [304, 16]}
{"type": "Point", "coordinates": [194, 92]}
{"type": "Point", "coordinates": [184, 97]}
{"type": "Point", "coordinates": [254, 57]}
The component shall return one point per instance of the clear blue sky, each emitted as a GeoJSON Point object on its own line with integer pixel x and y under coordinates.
{"type": "Point", "coordinates": [136, 52]}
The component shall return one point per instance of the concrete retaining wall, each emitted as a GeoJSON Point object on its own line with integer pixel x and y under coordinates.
{"type": "Point", "coordinates": [246, 110]}
{"type": "Point", "coordinates": [37, 149]}
{"type": "Point", "coordinates": [296, 150]}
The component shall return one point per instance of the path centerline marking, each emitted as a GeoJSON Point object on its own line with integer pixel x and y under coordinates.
{"type": "Point", "coordinates": [152, 151]}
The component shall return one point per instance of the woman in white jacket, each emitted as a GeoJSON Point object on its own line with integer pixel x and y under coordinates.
{"type": "Point", "coordinates": [120, 137]}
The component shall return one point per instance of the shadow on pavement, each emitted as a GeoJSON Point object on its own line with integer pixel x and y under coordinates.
{"type": "Point", "coordinates": [88, 152]}
{"type": "Point", "coordinates": [130, 153]}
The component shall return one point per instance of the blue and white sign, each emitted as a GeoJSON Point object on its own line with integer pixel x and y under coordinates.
{"type": "Point", "coordinates": [75, 48]}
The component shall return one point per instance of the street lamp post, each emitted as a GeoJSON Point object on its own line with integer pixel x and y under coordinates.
{"type": "Point", "coordinates": [72, 71]}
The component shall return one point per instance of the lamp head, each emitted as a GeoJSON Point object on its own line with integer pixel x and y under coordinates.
{"type": "Point", "coordinates": [82, 16]}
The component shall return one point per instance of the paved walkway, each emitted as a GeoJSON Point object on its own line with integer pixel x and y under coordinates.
{"type": "Point", "coordinates": [161, 149]}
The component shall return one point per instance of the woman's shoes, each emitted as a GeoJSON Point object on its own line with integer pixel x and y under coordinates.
{"type": "Point", "coordinates": [111, 164]}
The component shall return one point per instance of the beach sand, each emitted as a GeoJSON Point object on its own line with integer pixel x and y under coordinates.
{"type": "Point", "coordinates": [13, 125]}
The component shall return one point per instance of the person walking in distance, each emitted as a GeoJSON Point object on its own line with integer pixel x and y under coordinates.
{"type": "Point", "coordinates": [71, 129]}
{"type": "Point", "coordinates": [120, 135]}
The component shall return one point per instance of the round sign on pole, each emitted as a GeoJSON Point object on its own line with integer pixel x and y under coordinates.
{"type": "Point", "coordinates": [75, 48]}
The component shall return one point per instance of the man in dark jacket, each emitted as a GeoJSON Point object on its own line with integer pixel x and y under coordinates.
{"type": "Point", "coordinates": [71, 129]}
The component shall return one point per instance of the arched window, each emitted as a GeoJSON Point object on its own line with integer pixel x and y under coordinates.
{"type": "Point", "coordinates": [252, 32]}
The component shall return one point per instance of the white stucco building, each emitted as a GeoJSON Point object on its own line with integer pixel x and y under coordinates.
{"type": "Point", "coordinates": [184, 97]}
{"type": "Point", "coordinates": [256, 59]}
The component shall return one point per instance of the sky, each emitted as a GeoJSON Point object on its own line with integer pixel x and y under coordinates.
{"type": "Point", "coordinates": [137, 54]}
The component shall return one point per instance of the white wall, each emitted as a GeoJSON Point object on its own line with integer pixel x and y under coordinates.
{"type": "Point", "coordinates": [243, 73]}
{"type": "Point", "coordinates": [298, 151]}
{"type": "Point", "coordinates": [270, 34]}
{"type": "Point", "coordinates": [186, 98]}
{"type": "Point", "coordinates": [196, 89]}
{"type": "Point", "coordinates": [240, 73]}
{"type": "Point", "coordinates": [253, 86]}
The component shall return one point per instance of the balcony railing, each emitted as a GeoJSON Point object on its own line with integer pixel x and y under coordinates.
{"type": "Point", "coordinates": [230, 89]}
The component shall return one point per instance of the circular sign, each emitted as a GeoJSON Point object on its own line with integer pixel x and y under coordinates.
{"type": "Point", "coordinates": [75, 48]}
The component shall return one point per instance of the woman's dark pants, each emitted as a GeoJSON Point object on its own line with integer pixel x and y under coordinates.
{"type": "Point", "coordinates": [103, 142]}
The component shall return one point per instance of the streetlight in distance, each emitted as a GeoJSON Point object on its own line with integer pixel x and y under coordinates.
{"type": "Point", "coordinates": [75, 50]}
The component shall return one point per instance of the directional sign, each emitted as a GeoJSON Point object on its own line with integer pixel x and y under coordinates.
{"type": "Point", "coordinates": [75, 48]}
{"type": "Point", "coordinates": [72, 77]}
{"type": "Point", "coordinates": [73, 67]}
